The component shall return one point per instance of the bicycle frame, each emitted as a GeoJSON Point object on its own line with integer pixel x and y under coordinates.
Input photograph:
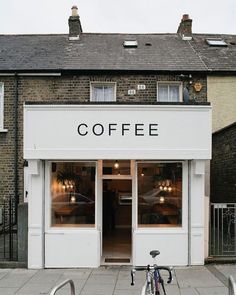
{"type": "Point", "coordinates": [153, 279]}
{"type": "Point", "coordinates": [149, 283]}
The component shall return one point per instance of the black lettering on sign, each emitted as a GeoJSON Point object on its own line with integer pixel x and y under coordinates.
{"type": "Point", "coordinates": [153, 129]}
{"type": "Point", "coordinates": [111, 129]}
{"type": "Point", "coordinates": [98, 129]}
{"type": "Point", "coordinates": [79, 129]}
{"type": "Point", "coordinates": [125, 129]}
{"type": "Point", "coordinates": [138, 129]}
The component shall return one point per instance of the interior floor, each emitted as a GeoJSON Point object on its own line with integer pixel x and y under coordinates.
{"type": "Point", "coordinates": [117, 246]}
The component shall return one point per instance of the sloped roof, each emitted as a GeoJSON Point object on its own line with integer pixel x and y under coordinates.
{"type": "Point", "coordinates": [155, 52]}
{"type": "Point", "coordinates": [216, 58]}
{"type": "Point", "coordinates": [167, 52]}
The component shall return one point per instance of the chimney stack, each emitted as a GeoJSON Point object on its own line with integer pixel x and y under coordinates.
{"type": "Point", "coordinates": [185, 28]}
{"type": "Point", "coordinates": [75, 28]}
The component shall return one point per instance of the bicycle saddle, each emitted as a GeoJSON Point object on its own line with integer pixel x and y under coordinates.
{"type": "Point", "coordinates": [154, 253]}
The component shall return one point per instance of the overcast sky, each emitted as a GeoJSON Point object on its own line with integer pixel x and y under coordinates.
{"type": "Point", "coordinates": [118, 16]}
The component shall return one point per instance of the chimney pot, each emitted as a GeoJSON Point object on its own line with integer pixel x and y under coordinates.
{"type": "Point", "coordinates": [185, 28]}
{"type": "Point", "coordinates": [75, 28]}
{"type": "Point", "coordinates": [185, 17]}
{"type": "Point", "coordinates": [74, 10]}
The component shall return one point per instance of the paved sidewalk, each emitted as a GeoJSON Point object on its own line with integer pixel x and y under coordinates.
{"type": "Point", "coordinates": [114, 280]}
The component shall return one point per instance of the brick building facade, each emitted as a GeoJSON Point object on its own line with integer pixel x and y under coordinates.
{"type": "Point", "coordinates": [66, 88]}
{"type": "Point", "coordinates": [223, 165]}
{"type": "Point", "coordinates": [42, 72]}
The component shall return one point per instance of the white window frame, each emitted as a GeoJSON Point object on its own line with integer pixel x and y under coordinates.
{"type": "Point", "coordinates": [185, 202]}
{"type": "Point", "coordinates": [100, 83]}
{"type": "Point", "coordinates": [49, 228]}
{"type": "Point", "coordinates": [2, 108]}
{"type": "Point", "coordinates": [171, 83]}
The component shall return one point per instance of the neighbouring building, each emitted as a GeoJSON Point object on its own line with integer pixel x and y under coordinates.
{"type": "Point", "coordinates": [106, 137]}
{"type": "Point", "coordinates": [224, 165]}
{"type": "Point", "coordinates": [218, 53]}
{"type": "Point", "coordinates": [223, 192]}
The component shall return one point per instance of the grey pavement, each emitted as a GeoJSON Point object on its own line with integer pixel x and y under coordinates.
{"type": "Point", "coordinates": [115, 280]}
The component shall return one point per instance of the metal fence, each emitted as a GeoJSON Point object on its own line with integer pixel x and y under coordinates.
{"type": "Point", "coordinates": [223, 229]}
{"type": "Point", "coordinates": [8, 230]}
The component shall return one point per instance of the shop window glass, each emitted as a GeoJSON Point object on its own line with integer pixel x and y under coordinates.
{"type": "Point", "coordinates": [73, 194]}
{"type": "Point", "coordinates": [159, 194]}
{"type": "Point", "coordinates": [116, 167]}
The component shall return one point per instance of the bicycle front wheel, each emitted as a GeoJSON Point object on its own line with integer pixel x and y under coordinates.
{"type": "Point", "coordinates": [160, 289]}
{"type": "Point", "coordinates": [149, 289]}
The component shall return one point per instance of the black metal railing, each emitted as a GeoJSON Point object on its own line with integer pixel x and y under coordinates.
{"type": "Point", "coordinates": [8, 230]}
{"type": "Point", "coordinates": [223, 229]}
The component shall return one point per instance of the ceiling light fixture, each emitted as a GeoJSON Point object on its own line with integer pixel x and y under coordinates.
{"type": "Point", "coordinates": [116, 165]}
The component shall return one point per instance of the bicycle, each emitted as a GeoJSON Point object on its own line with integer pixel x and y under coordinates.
{"type": "Point", "coordinates": [154, 284]}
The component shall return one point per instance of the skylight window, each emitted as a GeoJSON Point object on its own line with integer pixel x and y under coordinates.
{"type": "Point", "coordinates": [216, 42]}
{"type": "Point", "coordinates": [130, 43]}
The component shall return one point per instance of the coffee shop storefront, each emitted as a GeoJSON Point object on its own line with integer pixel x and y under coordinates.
{"type": "Point", "coordinates": [109, 183]}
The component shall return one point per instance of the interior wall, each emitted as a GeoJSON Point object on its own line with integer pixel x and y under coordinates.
{"type": "Point", "coordinates": [123, 212]}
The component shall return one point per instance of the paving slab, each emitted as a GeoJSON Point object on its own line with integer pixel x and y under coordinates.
{"type": "Point", "coordinates": [188, 291]}
{"type": "Point", "coordinates": [213, 291]}
{"type": "Point", "coordinates": [196, 277]}
{"type": "Point", "coordinates": [227, 269]}
{"type": "Point", "coordinates": [114, 280]}
{"type": "Point", "coordinates": [8, 291]}
{"type": "Point", "coordinates": [4, 272]}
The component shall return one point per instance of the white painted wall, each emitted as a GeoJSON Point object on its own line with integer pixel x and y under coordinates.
{"type": "Point", "coordinates": [51, 132]}
{"type": "Point", "coordinates": [173, 247]}
{"type": "Point", "coordinates": [36, 215]}
{"type": "Point", "coordinates": [70, 248]}
{"type": "Point", "coordinates": [197, 212]}
{"type": "Point", "coordinates": [206, 225]}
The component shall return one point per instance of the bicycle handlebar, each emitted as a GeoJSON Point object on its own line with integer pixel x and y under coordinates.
{"type": "Point", "coordinates": [148, 268]}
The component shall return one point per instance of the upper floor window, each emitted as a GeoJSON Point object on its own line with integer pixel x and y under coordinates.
{"type": "Point", "coordinates": [169, 91]}
{"type": "Point", "coordinates": [103, 92]}
{"type": "Point", "coordinates": [1, 104]}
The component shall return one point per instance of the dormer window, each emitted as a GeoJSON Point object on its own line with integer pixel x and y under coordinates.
{"type": "Point", "coordinates": [103, 91]}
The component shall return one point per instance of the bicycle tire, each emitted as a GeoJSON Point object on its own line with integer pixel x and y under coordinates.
{"type": "Point", "coordinates": [161, 290]}
{"type": "Point", "coordinates": [149, 290]}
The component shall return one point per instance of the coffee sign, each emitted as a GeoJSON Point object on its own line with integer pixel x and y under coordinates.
{"type": "Point", "coordinates": [122, 129]}
{"type": "Point", "coordinates": [117, 131]}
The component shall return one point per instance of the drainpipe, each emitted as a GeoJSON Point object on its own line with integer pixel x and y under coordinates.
{"type": "Point", "coordinates": [13, 206]}
{"type": "Point", "coordinates": [16, 136]}
{"type": "Point", "coordinates": [189, 210]}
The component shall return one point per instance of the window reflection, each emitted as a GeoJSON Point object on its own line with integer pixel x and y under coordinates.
{"type": "Point", "coordinates": [73, 194]}
{"type": "Point", "coordinates": [159, 194]}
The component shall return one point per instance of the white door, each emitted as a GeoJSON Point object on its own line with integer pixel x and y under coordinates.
{"type": "Point", "coordinates": [71, 236]}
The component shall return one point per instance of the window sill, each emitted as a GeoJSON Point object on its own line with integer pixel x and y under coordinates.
{"type": "Point", "coordinates": [3, 130]}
